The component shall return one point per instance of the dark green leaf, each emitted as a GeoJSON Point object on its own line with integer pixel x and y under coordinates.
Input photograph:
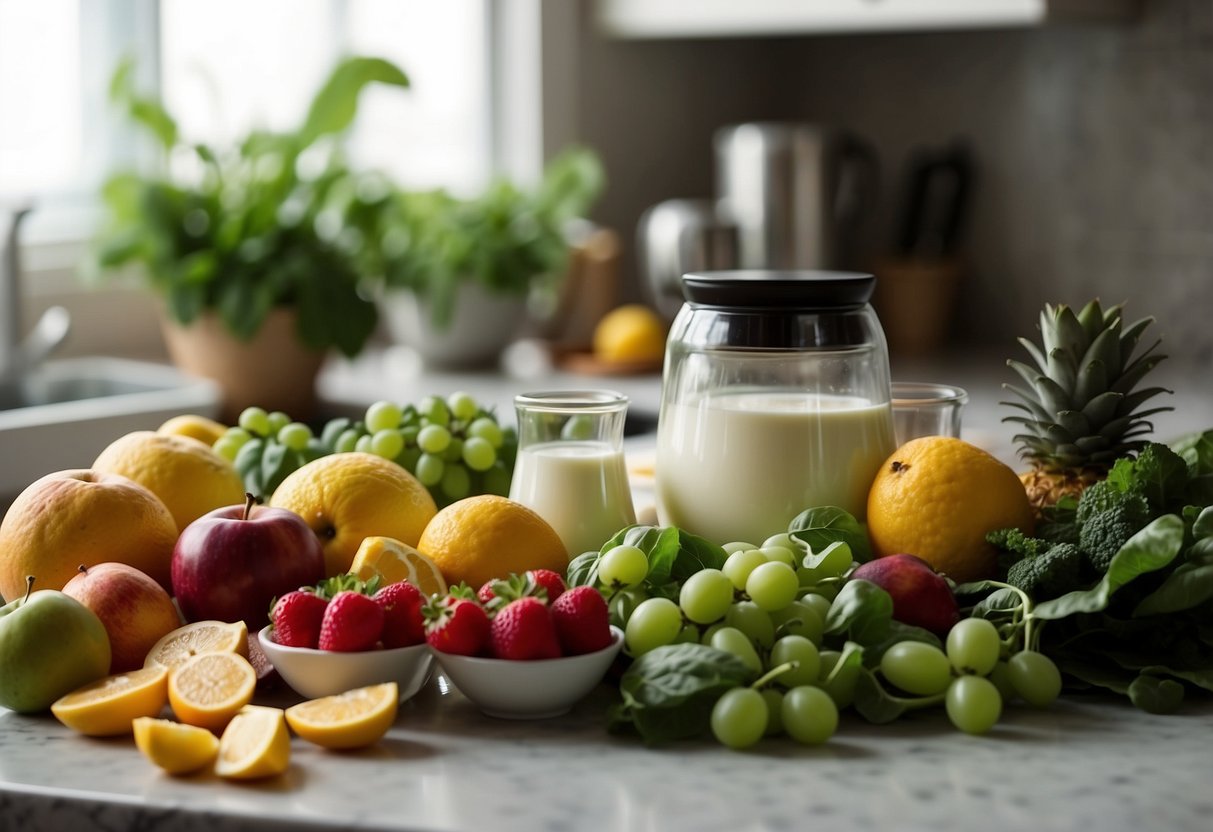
{"type": "Point", "coordinates": [695, 554]}
{"type": "Point", "coordinates": [821, 526]}
{"type": "Point", "coordinates": [1188, 586]}
{"type": "Point", "coordinates": [1203, 526]}
{"type": "Point", "coordinates": [660, 544]}
{"type": "Point", "coordinates": [862, 611]}
{"type": "Point", "coordinates": [1196, 449]}
{"type": "Point", "coordinates": [1156, 695]}
{"type": "Point", "coordinates": [583, 570]}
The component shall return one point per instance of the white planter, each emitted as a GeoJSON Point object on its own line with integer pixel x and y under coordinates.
{"type": "Point", "coordinates": [482, 324]}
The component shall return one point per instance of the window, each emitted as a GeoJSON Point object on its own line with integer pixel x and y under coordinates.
{"type": "Point", "coordinates": [223, 66]}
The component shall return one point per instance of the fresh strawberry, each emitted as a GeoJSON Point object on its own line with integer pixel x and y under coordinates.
{"type": "Point", "coordinates": [402, 622]}
{"type": "Point", "coordinates": [551, 582]}
{"type": "Point", "coordinates": [297, 617]}
{"type": "Point", "coordinates": [486, 594]}
{"type": "Point", "coordinates": [455, 624]}
{"type": "Point", "coordinates": [523, 630]}
{"type": "Point", "coordinates": [582, 620]}
{"type": "Point", "coordinates": [352, 622]}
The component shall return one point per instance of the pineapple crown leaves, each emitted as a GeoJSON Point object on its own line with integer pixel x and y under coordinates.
{"type": "Point", "coordinates": [1080, 404]}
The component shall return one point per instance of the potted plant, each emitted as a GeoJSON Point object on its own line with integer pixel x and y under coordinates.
{"type": "Point", "coordinates": [458, 273]}
{"type": "Point", "coordinates": [256, 282]}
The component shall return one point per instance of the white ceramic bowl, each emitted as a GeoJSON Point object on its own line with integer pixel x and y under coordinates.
{"type": "Point", "coordinates": [528, 690]}
{"type": "Point", "coordinates": [316, 673]}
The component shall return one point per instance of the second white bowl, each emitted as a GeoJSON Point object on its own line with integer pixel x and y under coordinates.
{"type": "Point", "coordinates": [317, 673]}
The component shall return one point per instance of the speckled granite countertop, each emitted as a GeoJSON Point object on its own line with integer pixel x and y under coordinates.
{"type": "Point", "coordinates": [1083, 764]}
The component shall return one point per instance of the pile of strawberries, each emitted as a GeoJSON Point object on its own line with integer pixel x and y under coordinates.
{"type": "Point", "coordinates": [521, 618]}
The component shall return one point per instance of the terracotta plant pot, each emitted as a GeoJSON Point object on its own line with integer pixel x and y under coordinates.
{"type": "Point", "coordinates": [274, 370]}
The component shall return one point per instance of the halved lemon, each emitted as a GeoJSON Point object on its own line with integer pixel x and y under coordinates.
{"type": "Point", "coordinates": [176, 648]}
{"type": "Point", "coordinates": [395, 561]}
{"type": "Point", "coordinates": [255, 744]}
{"type": "Point", "coordinates": [352, 719]}
{"type": "Point", "coordinates": [175, 747]}
{"type": "Point", "coordinates": [105, 708]}
{"type": "Point", "coordinates": [211, 688]}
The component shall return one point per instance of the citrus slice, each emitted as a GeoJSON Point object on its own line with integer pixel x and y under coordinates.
{"type": "Point", "coordinates": [176, 648]}
{"type": "Point", "coordinates": [176, 748]}
{"type": "Point", "coordinates": [106, 707]}
{"type": "Point", "coordinates": [255, 744]}
{"type": "Point", "coordinates": [211, 688]}
{"type": "Point", "coordinates": [395, 561]}
{"type": "Point", "coordinates": [352, 719]}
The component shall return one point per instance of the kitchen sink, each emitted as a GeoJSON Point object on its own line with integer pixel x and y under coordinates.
{"type": "Point", "coordinates": [63, 413]}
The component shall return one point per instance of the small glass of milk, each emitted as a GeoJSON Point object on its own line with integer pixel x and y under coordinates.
{"type": "Point", "coordinates": [570, 468]}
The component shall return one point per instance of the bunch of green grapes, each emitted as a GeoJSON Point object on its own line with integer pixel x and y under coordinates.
{"type": "Point", "coordinates": [266, 447]}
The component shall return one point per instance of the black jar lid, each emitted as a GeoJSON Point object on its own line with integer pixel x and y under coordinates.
{"type": "Point", "coordinates": [781, 290]}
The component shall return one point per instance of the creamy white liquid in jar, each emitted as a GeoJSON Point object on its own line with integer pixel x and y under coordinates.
{"type": "Point", "coordinates": [580, 488]}
{"type": "Point", "coordinates": [741, 466]}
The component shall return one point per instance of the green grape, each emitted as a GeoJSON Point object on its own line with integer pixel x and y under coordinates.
{"type": "Point", "coordinates": [740, 564]}
{"type": "Point", "coordinates": [237, 435]}
{"type": "Point", "coordinates": [841, 688]}
{"type": "Point", "coordinates": [1034, 677]}
{"type": "Point", "coordinates": [295, 436]}
{"type": "Point", "coordinates": [780, 554]}
{"type": "Point", "coordinates": [435, 410]}
{"type": "Point", "coordinates": [783, 540]}
{"type": "Point", "coordinates": [802, 651]}
{"type": "Point", "coordinates": [799, 619]}
{"type": "Point", "coordinates": [433, 439]}
{"type": "Point", "coordinates": [739, 718]}
{"type": "Point", "coordinates": [255, 420]}
{"type": "Point", "coordinates": [809, 715]}
{"type": "Point", "coordinates": [278, 420]}
{"type": "Point", "coordinates": [689, 634]}
{"type": "Point", "coordinates": [363, 445]}
{"type": "Point", "coordinates": [1001, 677]}
{"type": "Point", "coordinates": [753, 621]}
{"type": "Point", "coordinates": [705, 596]}
{"type": "Point", "coordinates": [456, 482]}
{"type": "Point", "coordinates": [333, 429]}
{"type": "Point", "coordinates": [654, 622]}
{"type": "Point", "coordinates": [623, 566]}
{"type": "Point", "coordinates": [973, 704]}
{"type": "Point", "coordinates": [478, 454]}
{"type": "Point", "coordinates": [454, 451]}
{"type": "Point", "coordinates": [462, 406]}
{"type": "Point", "coordinates": [737, 546]}
{"type": "Point", "coordinates": [772, 585]}
{"type": "Point", "coordinates": [410, 433]}
{"type": "Point", "coordinates": [497, 479]}
{"type": "Point", "coordinates": [578, 427]}
{"type": "Point", "coordinates": [818, 604]}
{"type": "Point", "coordinates": [973, 646]}
{"type": "Point", "coordinates": [835, 559]}
{"type": "Point", "coordinates": [827, 591]}
{"type": "Point", "coordinates": [407, 459]}
{"type": "Point", "coordinates": [227, 448]}
{"type": "Point", "coordinates": [430, 469]}
{"type": "Point", "coordinates": [732, 640]}
{"type": "Point", "coordinates": [347, 441]}
{"type": "Point", "coordinates": [383, 415]}
{"type": "Point", "coordinates": [917, 667]}
{"type": "Point", "coordinates": [488, 430]}
{"type": "Point", "coordinates": [387, 443]}
{"type": "Point", "coordinates": [774, 699]}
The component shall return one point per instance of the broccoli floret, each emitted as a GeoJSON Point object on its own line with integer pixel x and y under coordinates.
{"type": "Point", "coordinates": [1050, 574]}
{"type": "Point", "coordinates": [1102, 536]}
{"type": "Point", "coordinates": [1017, 544]}
{"type": "Point", "coordinates": [1104, 495]}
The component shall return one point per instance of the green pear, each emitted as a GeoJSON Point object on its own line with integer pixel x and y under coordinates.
{"type": "Point", "coordinates": [50, 644]}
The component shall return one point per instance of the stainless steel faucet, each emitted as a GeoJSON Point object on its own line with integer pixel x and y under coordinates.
{"type": "Point", "coordinates": [18, 356]}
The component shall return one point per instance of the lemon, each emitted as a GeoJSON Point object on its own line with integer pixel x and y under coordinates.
{"type": "Point", "coordinates": [255, 744]}
{"type": "Point", "coordinates": [631, 333]}
{"type": "Point", "coordinates": [480, 538]}
{"type": "Point", "coordinates": [188, 477]}
{"type": "Point", "coordinates": [176, 748]}
{"type": "Point", "coordinates": [937, 497]}
{"type": "Point", "coordinates": [348, 497]}
{"type": "Point", "coordinates": [353, 719]}
{"type": "Point", "coordinates": [195, 427]}
{"type": "Point", "coordinates": [183, 643]}
{"type": "Point", "coordinates": [105, 708]}
{"type": "Point", "coordinates": [394, 562]}
{"type": "Point", "coordinates": [211, 688]}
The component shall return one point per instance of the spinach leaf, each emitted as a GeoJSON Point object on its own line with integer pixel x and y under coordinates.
{"type": "Point", "coordinates": [1202, 527]}
{"type": "Point", "coordinates": [877, 705]}
{"type": "Point", "coordinates": [1196, 449]}
{"type": "Point", "coordinates": [674, 554]}
{"type": "Point", "coordinates": [1188, 586]}
{"type": "Point", "coordinates": [1155, 695]}
{"type": "Point", "coordinates": [583, 570]}
{"type": "Point", "coordinates": [819, 527]}
{"type": "Point", "coordinates": [862, 611]}
{"type": "Point", "coordinates": [1159, 473]}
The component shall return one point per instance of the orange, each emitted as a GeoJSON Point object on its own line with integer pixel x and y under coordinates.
{"type": "Point", "coordinates": [188, 477]}
{"type": "Point", "coordinates": [183, 643]}
{"type": "Point", "coordinates": [201, 428]}
{"type": "Point", "coordinates": [107, 707]}
{"type": "Point", "coordinates": [348, 497]}
{"type": "Point", "coordinates": [632, 332]}
{"type": "Point", "coordinates": [353, 719]}
{"type": "Point", "coordinates": [937, 498]}
{"type": "Point", "coordinates": [176, 748]}
{"type": "Point", "coordinates": [211, 688]}
{"type": "Point", "coordinates": [255, 744]}
{"type": "Point", "coordinates": [481, 538]}
{"type": "Point", "coordinates": [394, 562]}
{"type": "Point", "coordinates": [85, 517]}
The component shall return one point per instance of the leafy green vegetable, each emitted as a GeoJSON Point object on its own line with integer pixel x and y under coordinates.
{"type": "Point", "coordinates": [674, 555]}
{"type": "Point", "coordinates": [819, 527]}
{"type": "Point", "coordinates": [862, 612]}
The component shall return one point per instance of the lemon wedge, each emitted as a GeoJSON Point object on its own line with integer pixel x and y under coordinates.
{"type": "Point", "coordinates": [105, 708]}
{"type": "Point", "coordinates": [395, 561]}
{"type": "Point", "coordinates": [353, 719]}
{"type": "Point", "coordinates": [174, 747]}
{"type": "Point", "coordinates": [176, 648]}
{"type": "Point", "coordinates": [255, 744]}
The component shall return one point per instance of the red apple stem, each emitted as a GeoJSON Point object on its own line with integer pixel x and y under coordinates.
{"type": "Point", "coordinates": [29, 586]}
{"type": "Point", "coordinates": [82, 569]}
{"type": "Point", "coordinates": [249, 500]}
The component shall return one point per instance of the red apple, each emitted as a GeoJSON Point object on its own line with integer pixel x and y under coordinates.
{"type": "Point", "coordinates": [921, 596]}
{"type": "Point", "coordinates": [230, 563]}
{"type": "Point", "coordinates": [135, 610]}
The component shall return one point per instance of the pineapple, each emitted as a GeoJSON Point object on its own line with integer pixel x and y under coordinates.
{"type": "Point", "coordinates": [1082, 413]}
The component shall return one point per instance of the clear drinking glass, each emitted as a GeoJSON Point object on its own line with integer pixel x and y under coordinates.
{"type": "Point", "coordinates": [922, 409]}
{"type": "Point", "coordinates": [570, 468]}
